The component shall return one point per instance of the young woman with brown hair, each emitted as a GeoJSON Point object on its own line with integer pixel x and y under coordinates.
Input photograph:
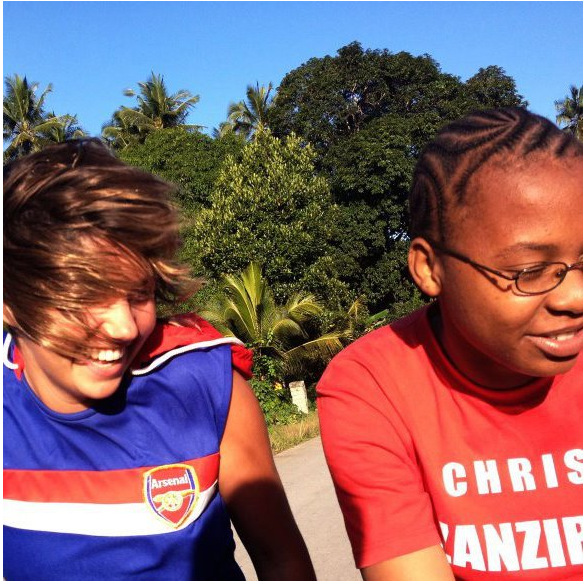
{"type": "Point", "coordinates": [129, 444]}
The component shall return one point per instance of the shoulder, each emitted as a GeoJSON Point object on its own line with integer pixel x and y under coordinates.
{"type": "Point", "coordinates": [12, 370]}
{"type": "Point", "coordinates": [385, 347]}
{"type": "Point", "coordinates": [190, 386]}
{"type": "Point", "coordinates": [189, 373]}
{"type": "Point", "coordinates": [188, 364]}
{"type": "Point", "coordinates": [185, 334]}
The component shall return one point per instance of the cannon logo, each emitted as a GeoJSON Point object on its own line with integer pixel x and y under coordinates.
{"type": "Point", "coordinates": [171, 491]}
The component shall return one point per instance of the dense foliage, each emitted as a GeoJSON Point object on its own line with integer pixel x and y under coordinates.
{"type": "Point", "coordinates": [190, 160]}
{"type": "Point", "coordinates": [368, 114]}
{"type": "Point", "coordinates": [270, 207]}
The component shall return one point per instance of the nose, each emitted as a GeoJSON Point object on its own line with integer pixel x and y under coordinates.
{"type": "Point", "coordinates": [118, 321]}
{"type": "Point", "coordinates": [568, 296]}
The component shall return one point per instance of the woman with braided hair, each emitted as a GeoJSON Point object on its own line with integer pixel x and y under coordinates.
{"type": "Point", "coordinates": [454, 435]}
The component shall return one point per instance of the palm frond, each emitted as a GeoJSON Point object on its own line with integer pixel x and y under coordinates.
{"type": "Point", "coordinates": [24, 120]}
{"type": "Point", "coordinates": [253, 283]}
{"type": "Point", "coordinates": [303, 307]}
{"type": "Point", "coordinates": [224, 129]}
{"type": "Point", "coordinates": [287, 332]}
{"type": "Point", "coordinates": [246, 308]}
{"type": "Point", "coordinates": [243, 321]}
{"type": "Point", "coordinates": [134, 118]}
{"type": "Point", "coordinates": [217, 319]}
{"type": "Point", "coordinates": [321, 349]}
{"type": "Point", "coordinates": [569, 112]}
{"type": "Point", "coordinates": [156, 108]}
{"type": "Point", "coordinates": [246, 117]}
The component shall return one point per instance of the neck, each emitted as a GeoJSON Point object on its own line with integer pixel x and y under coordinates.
{"type": "Point", "coordinates": [477, 367]}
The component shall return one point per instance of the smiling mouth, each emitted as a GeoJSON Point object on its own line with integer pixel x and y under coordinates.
{"type": "Point", "coordinates": [563, 345]}
{"type": "Point", "coordinates": [562, 336]}
{"type": "Point", "coordinates": [106, 356]}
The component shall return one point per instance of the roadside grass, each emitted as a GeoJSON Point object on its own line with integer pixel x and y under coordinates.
{"type": "Point", "coordinates": [284, 437]}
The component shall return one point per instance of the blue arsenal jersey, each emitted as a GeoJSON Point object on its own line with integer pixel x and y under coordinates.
{"type": "Point", "coordinates": [126, 490]}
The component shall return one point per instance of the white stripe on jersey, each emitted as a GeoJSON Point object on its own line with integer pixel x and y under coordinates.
{"type": "Point", "coordinates": [199, 345]}
{"type": "Point", "coordinates": [95, 519]}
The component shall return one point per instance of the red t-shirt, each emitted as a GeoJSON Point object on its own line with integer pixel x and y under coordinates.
{"type": "Point", "coordinates": [420, 456]}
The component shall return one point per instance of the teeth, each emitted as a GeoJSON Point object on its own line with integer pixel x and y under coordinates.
{"type": "Point", "coordinates": [563, 336]}
{"type": "Point", "coordinates": [106, 355]}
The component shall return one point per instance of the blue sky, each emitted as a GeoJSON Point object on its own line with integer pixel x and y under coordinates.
{"type": "Point", "coordinates": [92, 51]}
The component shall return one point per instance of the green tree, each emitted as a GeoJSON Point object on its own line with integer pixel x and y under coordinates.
{"type": "Point", "coordinates": [25, 122]}
{"type": "Point", "coordinates": [330, 98]}
{"type": "Point", "coordinates": [245, 308]}
{"type": "Point", "coordinates": [570, 112]}
{"type": "Point", "coordinates": [190, 160]}
{"type": "Point", "coordinates": [286, 338]}
{"type": "Point", "coordinates": [156, 109]}
{"type": "Point", "coordinates": [118, 133]}
{"type": "Point", "coordinates": [270, 207]}
{"type": "Point", "coordinates": [224, 129]}
{"type": "Point", "coordinates": [246, 117]}
{"type": "Point", "coordinates": [368, 113]}
{"type": "Point", "coordinates": [68, 129]}
{"type": "Point", "coordinates": [491, 87]}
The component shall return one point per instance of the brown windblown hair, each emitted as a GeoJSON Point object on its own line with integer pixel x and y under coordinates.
{"type": "Point", "coordinates": [460, 149]}
{"type": "Point", "coordinates": [81, 228]}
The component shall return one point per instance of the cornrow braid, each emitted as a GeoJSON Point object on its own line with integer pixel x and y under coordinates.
{"type": "Point", "coordinates": [461, 148]}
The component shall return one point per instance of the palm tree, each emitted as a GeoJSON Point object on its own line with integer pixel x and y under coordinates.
{"type": "Point", "coordinates": [570, 112]}
{"type": "Point", "coordinates": [67, 129]}
{"type": "Point", "coordinates": [223, 129]}
{"type": "Point", "coordinates": [156, 108]}
{"type": "Point", "coordinates": [25, 123]}
{"type": "Point", "coordinates": [118, 133]}
{"type": "Point", "coordinates": [246, 117]}
{"type": "Point", "coordinates": [247, 310]}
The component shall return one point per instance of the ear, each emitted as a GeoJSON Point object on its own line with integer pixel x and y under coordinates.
{"type": "Point", "coordinates": [425, 267]}
{"type": "Point", "coordinates": [7, 316]}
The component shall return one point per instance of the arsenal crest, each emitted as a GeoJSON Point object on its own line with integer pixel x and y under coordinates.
{"type": "Point", "coordinates": [172, 491]}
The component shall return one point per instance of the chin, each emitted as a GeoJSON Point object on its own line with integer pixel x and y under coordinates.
{"type": "Point", "coordinates": [104, 391]}
{"type": "Point", "coordinates": [553, 367]}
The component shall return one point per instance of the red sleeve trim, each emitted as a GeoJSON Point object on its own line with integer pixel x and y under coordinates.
{"type": "Point", "coordinates": [187, 329]}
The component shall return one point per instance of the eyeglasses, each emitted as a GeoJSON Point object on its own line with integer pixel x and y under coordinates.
{"type": "Point", "coordinates": [534, 280]}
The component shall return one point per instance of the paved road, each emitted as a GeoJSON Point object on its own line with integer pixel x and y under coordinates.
{"type": "Point", "coordinates": [313, 501]}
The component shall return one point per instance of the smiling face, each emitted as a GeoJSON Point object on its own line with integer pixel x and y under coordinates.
{"type": "Point", "coordinates": [515, 217]}
{"type": "Point", "coordinates": [99, 339]}
{"type": "Point", "coordinates": [71, 385]}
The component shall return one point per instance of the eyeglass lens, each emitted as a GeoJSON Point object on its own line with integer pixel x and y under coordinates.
{"type": "Point", "coordinates": [544, 278]}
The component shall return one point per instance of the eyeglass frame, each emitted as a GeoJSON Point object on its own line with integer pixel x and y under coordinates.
{"type": "Point", "coordinates": [467, 260]}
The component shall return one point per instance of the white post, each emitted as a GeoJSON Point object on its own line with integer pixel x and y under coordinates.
{"type": "Point", "coordinates": [299, 397]}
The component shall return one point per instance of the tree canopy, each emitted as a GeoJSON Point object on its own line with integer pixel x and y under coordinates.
{"type": "Point", "coordinates": [325, 208]}
{"type": "Point", "coordinates": [270, 207]}
{"type": "Point", "coordinates": [368, 113]}
{"type": "Point", "coordinates": [156, 109]}
{"type": "Point", "coordinates": [570, 112]}
{"type": "Point", "coordinates": [190, 160]}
